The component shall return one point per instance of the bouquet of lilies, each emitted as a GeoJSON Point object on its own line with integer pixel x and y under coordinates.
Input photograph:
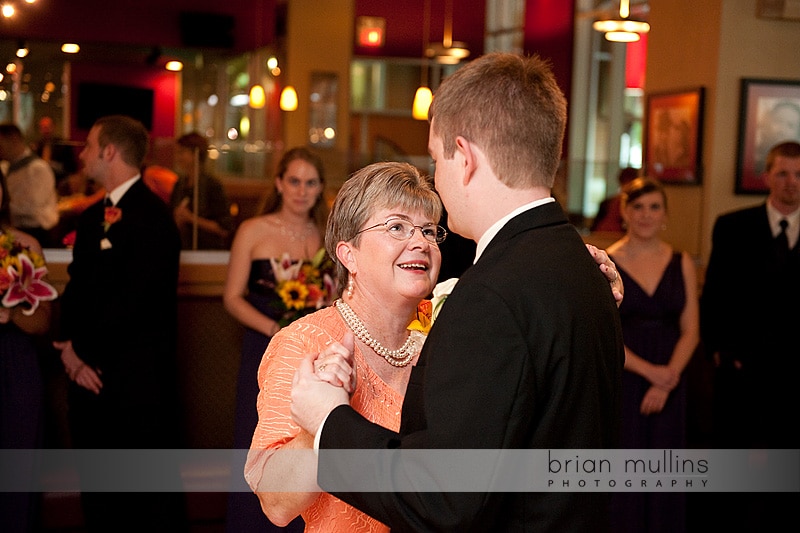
{"type": "Point", "coordinates": [21, 273]}
{"type": "Point", "coordinates": [428, 310]}
{"type": "Point", "coordinates": [303, 286]}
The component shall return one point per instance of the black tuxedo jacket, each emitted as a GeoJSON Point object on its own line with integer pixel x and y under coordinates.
{"type": "Point", "coordinates": [527, 353]}
{"type": "Point", "coordinates": [749, 315]}
{"type": "Point", "coordinates": [749, 304]}
{"type": "Point", "coordinates": [119, 308]}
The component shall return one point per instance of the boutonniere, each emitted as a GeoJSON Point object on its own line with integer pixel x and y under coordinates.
{"type": "Point", "coordinates": [428, 310]}
{"type": "Point", "coordinates": [112, 215]}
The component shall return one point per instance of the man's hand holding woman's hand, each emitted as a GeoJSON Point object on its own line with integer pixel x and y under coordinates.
{"type": "Point", "coordinates": [323, 382]}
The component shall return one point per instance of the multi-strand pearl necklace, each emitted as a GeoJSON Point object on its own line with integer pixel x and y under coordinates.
{"type": "Point", "coordinates": [400, 357]}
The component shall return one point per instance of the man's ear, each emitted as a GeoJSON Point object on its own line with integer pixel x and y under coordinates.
{"type": "Point", "coordinates": [466, 149]}
{"type": "Point", "coordinates": [108, 152]}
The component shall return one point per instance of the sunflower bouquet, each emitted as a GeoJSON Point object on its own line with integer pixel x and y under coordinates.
{"type": "Point", "coordinates": [21, 273]}
{"type": "Point", "coordinates": [303, 287]}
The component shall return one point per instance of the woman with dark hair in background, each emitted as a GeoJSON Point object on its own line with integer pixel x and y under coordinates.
{"type": "Point", "coordinates": [271, 251]}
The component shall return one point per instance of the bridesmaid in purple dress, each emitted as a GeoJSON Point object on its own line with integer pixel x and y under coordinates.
{"type": "Point", "coordinates": [660, 328]}
{"type": "Point", "coordinates": [290, 226]}
{"type": "Point", "coordinates": [21, 395]}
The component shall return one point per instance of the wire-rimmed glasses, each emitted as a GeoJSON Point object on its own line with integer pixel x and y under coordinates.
{"type": "Point", "coordinates": [402, 230]}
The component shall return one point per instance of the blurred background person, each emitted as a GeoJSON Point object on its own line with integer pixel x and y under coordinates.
{"type": "Point", "coordinates": [118, 338]}
{"type": "Point", "coordinates": [55, 150]}
{"type": "Point", "coordinates": [290, 225]}
{"type": "Point", "coordinates": [609, 215]}
{"type": "Point", "coordinates": [21, 389]}
{"type": "Point", "coordinates": [212, 214]}
{"type": "Point", "coordinates": [750, 334]}
{"type": "Point", "coordinates": [30, 185]}
{"type": "Point", "coordinates": [660, 329]}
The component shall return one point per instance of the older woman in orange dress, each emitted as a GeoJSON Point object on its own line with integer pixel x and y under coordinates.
{"type": "Point", "coordinates": [383, 236]}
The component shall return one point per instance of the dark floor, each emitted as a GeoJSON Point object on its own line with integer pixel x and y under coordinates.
{"type": "Point", "coordinates": [61, 512]}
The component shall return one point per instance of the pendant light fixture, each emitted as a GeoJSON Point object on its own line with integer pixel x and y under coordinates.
{"type": "Point", "coordinates": [288, 98]}
{"type": "Point", "coordinates": [423, 97]}
{"type": "Point", "coordinates": [623, 29]}
{"type": "Point", "coordinates": [257, 96]}
{"type": "Point", "coordinates": [449, 52]}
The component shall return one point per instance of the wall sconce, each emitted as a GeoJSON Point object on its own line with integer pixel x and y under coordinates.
{"type": "Point", "coordinates": [288, 98]}
{"type": "Point", "coordinates": [257, 97]}
{"type": "Point", "coordinates": [622, 30]}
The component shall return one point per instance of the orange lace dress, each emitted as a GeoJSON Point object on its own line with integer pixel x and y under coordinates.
{"type": "Point", "coordinates": [373, 398]}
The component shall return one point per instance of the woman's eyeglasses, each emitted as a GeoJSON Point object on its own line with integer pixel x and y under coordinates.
{"type": "Point", "coordinates": [402, 230]}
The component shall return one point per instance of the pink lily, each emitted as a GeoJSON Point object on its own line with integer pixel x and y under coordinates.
{"type": "Point", "coordinates": [284, 269]}
{"type": "Point", "coordinates": [27, 286]}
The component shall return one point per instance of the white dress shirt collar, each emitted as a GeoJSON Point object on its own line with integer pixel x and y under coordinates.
{"type": "Point", "coordinates": [495, 228]}
{"type": "Point", "coordinates": [792, 230]}
{"type": "Point", "coordinates": [120, 191]}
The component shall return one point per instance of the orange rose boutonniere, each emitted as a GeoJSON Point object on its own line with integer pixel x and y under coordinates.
{"type": "Point", "coordinates": [428, 310]}
{"type": "Point", "coordinates": [112, 215]}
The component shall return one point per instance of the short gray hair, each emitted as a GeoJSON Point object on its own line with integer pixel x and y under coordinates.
{"type": "Point", "coordinates": [374, 187]}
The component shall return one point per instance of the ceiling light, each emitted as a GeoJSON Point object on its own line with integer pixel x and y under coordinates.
{"type": "Point", "coordinates": [622, 29]}
{"type": "Point", "coordinates": [70, 48]}
{"type": "Point", "coordinates": [288, 98]}
{"type": "Point", "coordinates": [257, 96]}
{"type": "Point", "coordinates": [449, 52]}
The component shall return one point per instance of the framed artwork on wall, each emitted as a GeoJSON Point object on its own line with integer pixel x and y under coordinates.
{"type": "Point", "coordinates": [769, 113]}
{"type": "Point", "coordinates": [673, 136]}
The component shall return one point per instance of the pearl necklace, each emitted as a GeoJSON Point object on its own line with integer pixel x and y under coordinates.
{"type": "Point", "coordinates": [400, 357]}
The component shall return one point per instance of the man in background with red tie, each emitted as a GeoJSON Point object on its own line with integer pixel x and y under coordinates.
{"type": "Point", "coordinates": [119, 331]}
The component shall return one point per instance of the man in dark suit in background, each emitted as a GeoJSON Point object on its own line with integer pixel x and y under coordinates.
{"type": "Point", "coordinates": [750, 332]}
{"type": "Point", "coordinates": [527, 351]}
{"type": "Point", "coordinates": [119, 329]}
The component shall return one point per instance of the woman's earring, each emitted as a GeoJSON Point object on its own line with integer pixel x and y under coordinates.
{"type": "Point", "coordinates": [350, 287]}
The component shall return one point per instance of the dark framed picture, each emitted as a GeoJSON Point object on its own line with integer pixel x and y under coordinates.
{"type": "Point", "coordinates": [769, 114]}
{"type": "Point", "coordinates": [673, 136]}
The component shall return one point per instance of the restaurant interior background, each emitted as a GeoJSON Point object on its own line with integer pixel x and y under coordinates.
{"type": "Point", "coordinates": [354, 99]}
{"type": "Point", "coordinates": [355, 106]}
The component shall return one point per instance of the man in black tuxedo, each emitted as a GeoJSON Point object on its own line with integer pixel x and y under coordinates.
{"type": "Point", "coordinates": [751, 333]}
{"type": "Point", "coordinates": [119, 329]}
{"type": "Point", "coordinates": [527, 351]}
